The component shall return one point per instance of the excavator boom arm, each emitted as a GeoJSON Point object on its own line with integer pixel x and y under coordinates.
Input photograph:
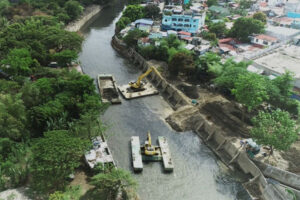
{"type": "Point", "coordinates": [137, 84]}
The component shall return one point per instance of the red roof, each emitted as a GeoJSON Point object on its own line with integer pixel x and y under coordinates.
{"type": "Point", "coordinates": [225, 40]}
{"type": "Point", "coordinates": [266, 37]}
{"type": "Point", "coordinates": [263, 4]}
{"type": "Point", "coordinates": [228, 46]}
{"type": "Point", "coordinates": [184, 33]}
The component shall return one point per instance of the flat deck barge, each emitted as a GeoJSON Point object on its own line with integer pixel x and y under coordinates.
{"type": "Point", "coordinates": [108, 89]}
{"type": "Point", "coordinates": [166, 155]}
{"type": "Point", "coordinates": [136, 154]}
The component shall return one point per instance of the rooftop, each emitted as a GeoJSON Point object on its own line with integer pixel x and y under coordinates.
{"type": "Point", "coordinates": [285, 58]}
{"type": "Point", "coordinates": [266, 38]}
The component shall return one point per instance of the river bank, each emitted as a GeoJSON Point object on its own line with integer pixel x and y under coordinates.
{"type": "Point", "coordinates": [88, 14]}
{"type": "Point", "coordinates": [195, 118]}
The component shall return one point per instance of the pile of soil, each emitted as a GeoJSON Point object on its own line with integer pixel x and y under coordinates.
{"type": "Point", "coordinates": [293, 157]}
{"type": "Point", "coordinates": [226, 115]}
{"type": "Point", "coordinates": [189, 90]}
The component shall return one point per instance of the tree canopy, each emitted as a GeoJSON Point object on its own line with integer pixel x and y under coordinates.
{"type": "Point", "coordinates": [275, 129]}
{"type": "Point", "coordinates": [243, 27]}
{"type": "Point", "coordinates": [260, 16]}
{"type": "Point", "coordinates": [55, 157]}
{"type": "Point", "coordinates": [113, 181]}
{"type": "Point", "coordinates": [250, 90]}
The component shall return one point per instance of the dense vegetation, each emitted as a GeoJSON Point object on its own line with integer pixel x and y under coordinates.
{"type": "Point", "coordinates": [47, 115]}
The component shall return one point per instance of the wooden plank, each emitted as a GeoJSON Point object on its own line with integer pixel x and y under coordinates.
{"type": "Point", "coordinates": [136, 154]}
{"type": "Point", "coordinates": [166, 154]}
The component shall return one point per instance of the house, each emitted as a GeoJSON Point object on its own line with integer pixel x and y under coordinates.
{"type": "Point", "coordinates": [219, 11]}
{"type": "Point", "coordinates": [144, 41]}
{"type": "Point", "coordinates": [188, 22]}
{"type": "Point", "coordinates": [144, 24]}
{"type": "Point", "coordinates": [263, 39]}
{"type": "Point", "coordinates": [158, 35]}
{"type": "Point", "coordinates": [183, 34]}
{"type": "Point", "coordinates": [282, 21]}
{"type": "Point", "coordinates": [186, 2]}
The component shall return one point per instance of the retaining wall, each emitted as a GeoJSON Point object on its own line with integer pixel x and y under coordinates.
{"type": "Point", "coordinates": [89, 12]}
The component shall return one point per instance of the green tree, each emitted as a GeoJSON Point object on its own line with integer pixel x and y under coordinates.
{"type": "Point", "coordinates": [4, 5]}
{"type": "Point", "coordinates": [55, 157]}
{"type": "Point", "coordinates": [181, 62]}
{"type": "Point", "coordinates": [17, 62]}
{"type": "Point", "coordinates": [133, 12]}
{"type": "Point", "coordinates": [122, 23]}
{"type": "Point", "coordinates": [218, 28]}
{"type": "Point", "coordinates": [204, 62]}
{"type": "Point", "coordinates": [152, 11]}
{"type": "Point", "coordinates": [244, 27]}
{"type": "Point", "coordinates": [275, 129]}
{"type": "Point", "coordinates": [260, 16]}
{"type": "Point", "coordinates": [73, 9]}
{"type": "Point", "coordinates": [114, 181]}
{"type": "Point", "coordinates": [230, 73]}
{"type": "Point", "coordinates": [13, 119]}
{"type": "Point", "coordinates": [211, 2]}
{"type": "Point", "coordinates": [132, 37]}
{"type": "Point", "coordinates": [250, 89]}
{"type": "Point", "coordinates": [209, 36]}
{"type": "Point", "coordinates": [65, 58]}
{"type": "Point", "coordinates": [245, 4]}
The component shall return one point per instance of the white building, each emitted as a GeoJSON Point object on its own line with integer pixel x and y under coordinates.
{"type": "Point", "coordinates": [263, 39]}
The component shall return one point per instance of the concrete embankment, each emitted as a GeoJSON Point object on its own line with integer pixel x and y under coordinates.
{"type": "Point", "coordinates": [188, 117]}
{"type": "Point", "coordinates": [171, 94]}
{"type": "Point", "coordinates": [89, 12]}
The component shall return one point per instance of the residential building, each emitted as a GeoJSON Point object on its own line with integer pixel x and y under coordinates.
{"type": "Point", "coordinates": [144, 24]}
{"type": "Point", "coordinates": [189, 22]}
{"type": "Point", "coordinates": [263, 39]}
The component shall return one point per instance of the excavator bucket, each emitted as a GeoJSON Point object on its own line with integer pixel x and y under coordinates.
{"type": "Point", "coordinates": [128, 93]}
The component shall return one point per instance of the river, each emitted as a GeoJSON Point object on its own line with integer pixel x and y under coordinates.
{"type": "Point", "coordinates": [198, 174]}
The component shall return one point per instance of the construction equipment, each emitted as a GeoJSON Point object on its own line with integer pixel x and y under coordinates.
{"type": "Point", "coordinates": [148, 149]}
{"type": "Point", "coordinates": [139, 88]}
{"type": "Point", "coordinates": [139, 85]}
{"type": "Point", "coordinates": [150, 153]}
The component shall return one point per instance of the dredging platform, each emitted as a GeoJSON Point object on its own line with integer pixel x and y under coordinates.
{"type": "Point", "coordinates": [148, 153]}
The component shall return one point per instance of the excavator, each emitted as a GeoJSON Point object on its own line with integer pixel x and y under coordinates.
{"type": "Point", "coordinates": [139, 85]}
{"type": "Point", "coordinates": [148, 149]}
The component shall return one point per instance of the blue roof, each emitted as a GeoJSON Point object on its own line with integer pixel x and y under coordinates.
{"type": "Point", "coordinates": [144, 21]}
{"type": "Point", "coordinates": [293, 15]}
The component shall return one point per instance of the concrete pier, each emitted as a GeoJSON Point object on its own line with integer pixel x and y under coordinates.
{"type": "Point", "coordinates": [166, 155]}
{"type": "Point", "coordinates": [136, 154]}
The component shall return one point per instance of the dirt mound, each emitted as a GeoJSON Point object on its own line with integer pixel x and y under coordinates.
{"type": "Point", "coordinates": [184, 118]}
{"type": "Point", "coordinates": [293, 157]}
{"type": "Point", "coordinates": [227, 116]}
{"type": "Point", "coordinates": [189, 90]}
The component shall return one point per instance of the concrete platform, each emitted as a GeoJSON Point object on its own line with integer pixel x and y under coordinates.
{"type": "Point", "coordinates": [166, 155]}
{"type": "Point", "coordinates": [136, 154]}
{"type": "Point", "coordinates": [129, 94]}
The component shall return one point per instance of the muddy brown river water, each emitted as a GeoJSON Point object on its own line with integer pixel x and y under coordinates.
{"type": "Point", "coordinates": [198, 174]}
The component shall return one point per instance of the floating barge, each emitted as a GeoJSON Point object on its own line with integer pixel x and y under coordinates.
{"type": "Point", "coordinates": [100, 153]}
{"type": "Point", "coordinates": [162, 153]}
{"type": "Point", "coordinates": [128, 93]}
{"type": "Point", "coordinates": [108, 89]}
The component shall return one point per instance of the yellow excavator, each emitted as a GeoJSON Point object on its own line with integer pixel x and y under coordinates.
{"type": "Point", "coordinates": [149, 149]}
{"type": "Point", "coordinates": [139, 85]}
